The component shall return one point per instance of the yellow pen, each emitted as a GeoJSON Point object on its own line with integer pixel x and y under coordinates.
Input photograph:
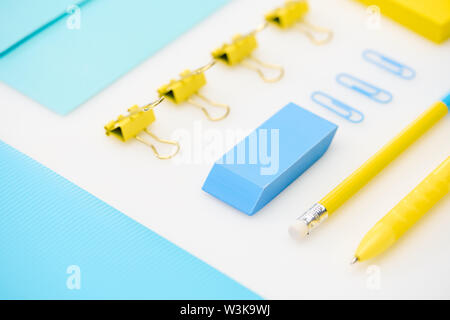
{"type": "Point", "coordinates": [405, 214]}
{"type": "Point", "coordinates": [344, 191]}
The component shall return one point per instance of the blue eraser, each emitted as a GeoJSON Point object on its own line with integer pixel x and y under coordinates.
{"type": "Point", "coordinates": [262, 165]}
{"type": "Point", "coordinates": [446, 100]}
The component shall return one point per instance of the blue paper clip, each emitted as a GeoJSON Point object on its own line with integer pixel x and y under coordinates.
{"type": "Point", "coordinates": [374, 93]}
{"type": "Point", "coordinates": [341, 109]}
{"type": "Point", "coordinates": [389, 64]}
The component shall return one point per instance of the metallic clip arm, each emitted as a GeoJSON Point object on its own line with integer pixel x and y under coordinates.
{"type": "Point", "coordinates": [212, 103]}
{"type": "Point", "coordinates": [312, 32]}
{"type": "Point", "coordinates": [257, 66]}
{"type": "Point", "coordinates": [154, 104]}
{"type": "Point", "coordinates": [152, 146]}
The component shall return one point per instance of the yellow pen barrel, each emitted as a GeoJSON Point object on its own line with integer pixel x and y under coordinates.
{"type": "Point", "coordinates": [382, 158]}
{"type": "Point", "coordinates": [406, 213]}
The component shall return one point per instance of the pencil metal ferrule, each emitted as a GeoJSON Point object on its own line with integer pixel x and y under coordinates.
{"type": "Point", "coordinates": [314, 217]}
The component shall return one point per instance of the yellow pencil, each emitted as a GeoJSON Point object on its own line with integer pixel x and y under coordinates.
{"type": "Point", "coordinates": [405, 214]}
{"type": "Point", "coordinates": [344, 191]}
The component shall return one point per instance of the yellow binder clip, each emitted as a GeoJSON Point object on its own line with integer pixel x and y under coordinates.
{"type": "Point", "coordinates": [293, 13]}
{"type": "Point", "coordinates": [240, 51]}
{"type": "Point", "coordinates": [136, 122]}
{"type": "Point", "coordinates": [188, 86]}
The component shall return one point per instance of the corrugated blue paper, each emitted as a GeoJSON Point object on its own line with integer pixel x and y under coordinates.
{"type": "Point", "coordinates": [47, 225]}
{"type": "Point", "coordinates": [61, 67]}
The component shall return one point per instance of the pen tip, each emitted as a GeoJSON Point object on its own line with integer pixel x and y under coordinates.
{"type": "Point", "coordinates": [355, 260]}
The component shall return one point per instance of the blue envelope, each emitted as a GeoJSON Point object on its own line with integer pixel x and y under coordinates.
{"type": "Point", "coordinates": [62, 52]}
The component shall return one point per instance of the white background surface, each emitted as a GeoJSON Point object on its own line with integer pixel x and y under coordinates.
{"type": "Point", "coordinates": [257, 251]}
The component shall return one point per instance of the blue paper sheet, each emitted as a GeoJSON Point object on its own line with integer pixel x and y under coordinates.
{"type": "Point", "coordinates": [55, 236]}
{"type": "Point", "coordinates": [21, 19]}
{"type": "Point", "coordinates": [61, 67]}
